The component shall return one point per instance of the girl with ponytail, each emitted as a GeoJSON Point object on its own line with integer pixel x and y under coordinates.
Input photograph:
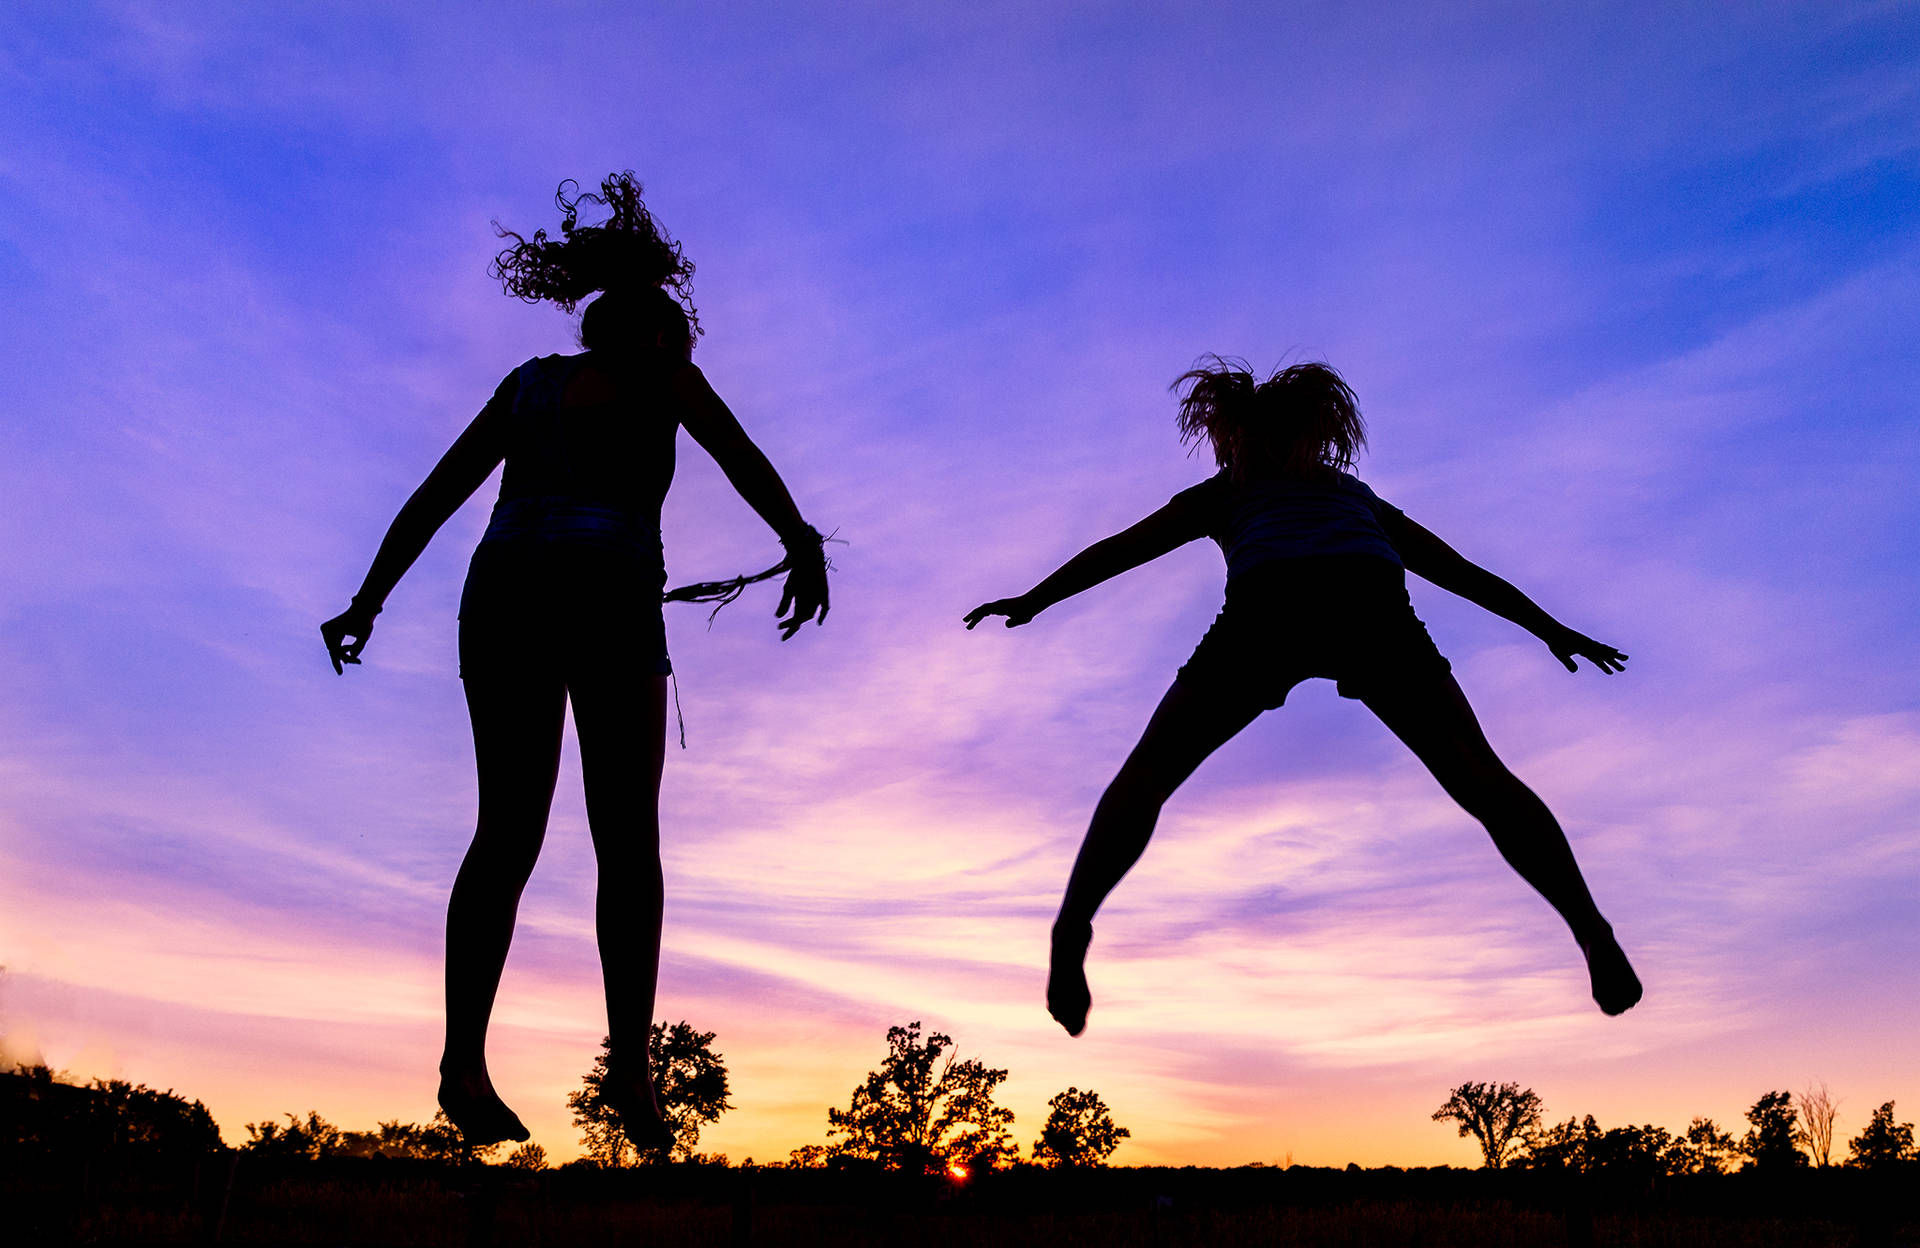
{"type": "Point", "coordinates": [1316, 587]}
{"type": "Point", "coordinates": [562, 604]}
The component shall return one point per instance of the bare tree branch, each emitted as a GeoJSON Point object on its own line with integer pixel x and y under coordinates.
{"type": "Point", "coordinates": [1818, 1108]}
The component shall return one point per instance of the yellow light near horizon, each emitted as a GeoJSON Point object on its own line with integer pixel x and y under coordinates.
{"type": "Point", "coordinates": [958, 1171]}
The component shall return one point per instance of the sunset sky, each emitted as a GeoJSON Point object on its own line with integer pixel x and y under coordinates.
{"type": "Point", "coordinates": [1628, 296]}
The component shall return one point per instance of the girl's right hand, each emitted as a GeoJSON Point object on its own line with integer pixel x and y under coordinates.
{"type": "Point", "coordinates": [1017, 610]}
{"type": "Point", "coordinates": [1567, 645]}
{"type": "Point", "coordinates": [805, 591]}
{"type": "Point", "coordinates": [354, 622]}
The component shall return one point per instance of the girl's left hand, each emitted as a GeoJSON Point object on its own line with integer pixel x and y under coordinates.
{"type": "Point", "coordinates": [353, 622]}
{"type": "Point", "coordinates": [1016, 610]}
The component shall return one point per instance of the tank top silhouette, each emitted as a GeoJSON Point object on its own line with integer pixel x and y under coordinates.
{"type": "Point", "coordinates": [592, 473]}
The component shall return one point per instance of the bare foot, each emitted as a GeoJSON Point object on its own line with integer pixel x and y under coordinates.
{"type": "Point", "coordinates": [634, 1102]}
{"type": "Point", "coordinates": [1616, 988]}
{"type": "Point", "coordinates": [476, 1109]}
{"type": "Point", "coordinates": [1068, 997]}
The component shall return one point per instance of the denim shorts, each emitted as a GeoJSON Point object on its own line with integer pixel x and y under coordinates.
{"type": "Point", "coordinates": [1346, 618]}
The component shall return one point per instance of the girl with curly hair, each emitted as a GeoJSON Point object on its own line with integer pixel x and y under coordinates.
{"type": "Point", "coordinates": [562, 604]}
{"type": "Point", "coordinates": [1316, 587]}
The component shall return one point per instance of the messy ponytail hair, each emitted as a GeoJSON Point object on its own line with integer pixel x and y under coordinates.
{"type": "Point", "coordinates": [628, 255]}
{"type": "Point", "coordinates": [1300, 422]}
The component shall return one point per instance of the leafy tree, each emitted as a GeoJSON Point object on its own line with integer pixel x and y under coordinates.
{"type": "Point", "coordinates": [1703, 1149]}
{"type": "Point", "coordinates": [1635, 1155]}
{"type": "Point", "coordinates": [1495, 1115]}
{"type": "Point", "coordinates": [1563, 1146]}
{"type": "Point", "coordinates": [145, 1120]}
{"type": "Point", "coordinates": [312, 1138]}
{"type": "Point", "coordinates": [528, 1156]}
{"type": "Point", "coordinates": [1884, 1142]}
{"type": "Point", "coordinates": [1630, 1154]}
{"type": "Point", "coordinates": [1773, 1139]}
{"type": "Point", "coordinates": [364, 1144]}
{"type": "Point", "coordinates": [918, 1112]}
{"type": "Point", "coordinates": [690, 1078]}
{"type": "Point", "coordinates": [436, 1142]}
{"type": "Point", "coordinates": [1818, 1108]}
{"type": "Point", "coordinates": [42, 1112]}
{"type": "Point", "coordinates": [808, 1157]}
{"type": "Point", "coordinates": [1079, 1132]}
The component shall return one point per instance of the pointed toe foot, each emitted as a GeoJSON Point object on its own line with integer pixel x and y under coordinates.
{"type": "Point", "coordinates": [1616, 989]}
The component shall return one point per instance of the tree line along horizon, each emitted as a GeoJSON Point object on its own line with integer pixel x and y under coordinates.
{"type": "Point", "coordinates": [927, 1110]}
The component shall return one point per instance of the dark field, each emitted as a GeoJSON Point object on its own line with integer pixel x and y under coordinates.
{"type": "Point", "coordinates": [379, 1202]}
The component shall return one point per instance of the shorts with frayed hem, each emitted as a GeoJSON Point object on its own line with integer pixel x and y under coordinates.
{"type": "Point", "coordinates": [570, 610]}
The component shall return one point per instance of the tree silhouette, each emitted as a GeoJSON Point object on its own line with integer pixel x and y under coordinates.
{"type": "Point", "coordinates": [528, 1156]}
{"type": "Point", "coordinates": [110, 1117]}
{"type": "Point", "coordinates": [1495, 1115]}
{"type": "Point", "coordinates": [140, 1119]}
{"type": "Point", "coordinates": [1634, 1155]}
{"type": "Point", "coordinates": [918, 1112]}
{"type": "Point", "coordinates": [389, 1139]}
{"type": "Point", "coordinates": [1704, 1149]}
{"type": "Point", "coordinates": [1884, 1142]}
{"type": "Point", "coordinates": [311, 1138]}
{"type": "Point", "coordinates": [1818, 1108]}
{"type": "Point", "coordinates": [1773, 1139]}
{"type": "Point", "coordinates": [1563, 1146]}
{"type": "Point", "coordinates": [1079, 1131]}
{"type": "Point", "coordinates": [690, 1078]}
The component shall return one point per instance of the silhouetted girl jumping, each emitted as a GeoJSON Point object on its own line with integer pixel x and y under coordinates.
{"type": "Point", "coordinates": [562, 603]}
{"type": "Point", "coordinates": [1316, 586]}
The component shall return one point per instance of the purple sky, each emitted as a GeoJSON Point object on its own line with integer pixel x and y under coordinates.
{"type": "Point", "coordinates": [1627, 293]}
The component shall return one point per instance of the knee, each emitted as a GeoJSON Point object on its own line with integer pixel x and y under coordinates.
{"type": "Point", "coordinates": [1496, 796]}
{"type": "Point", "coordinates": [508, 817]}
{"type": "Point", "coordinates": [621, 816]}
{"type": "Point", "coordinates": [499, 862]}
{"type": "Point", "coordinates": [1134, 791]}
{"type": "Point", "coordinates": [628, 847]}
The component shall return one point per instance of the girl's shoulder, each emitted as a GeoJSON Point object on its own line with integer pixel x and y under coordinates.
{"type": "Point", "coordinates": [546, 366]}
{"type": "Point", "coordinates": [1381, 507]}
{"type": "Point", "coordinates": [1332, 480]}
{"type": "Point", "coordinates": [1221, 487]}
{"type": "Point", "coordinates": [1213, 490]}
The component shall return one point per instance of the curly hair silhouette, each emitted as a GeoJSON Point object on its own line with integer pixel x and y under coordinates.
{"type": "Point", "coordinates": [626, 254]}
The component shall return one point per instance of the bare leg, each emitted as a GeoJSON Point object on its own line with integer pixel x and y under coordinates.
{"type": "Point", "coordinates": [1437, 723]}
{"type": "Point", "coordinates": [1189, 724]}
{"type": "Point", "coordinates": [517, 721]}
{"type": "Point", "coordinates": [622, 728]}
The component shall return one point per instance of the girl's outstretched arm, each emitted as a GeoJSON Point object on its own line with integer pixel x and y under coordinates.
{"type": "Point", "coordinates": [462, 470]}
{"type": "Point", "coordinates": [713, 425]}
{"type": "Point", "coordinates": [1427, 556]}
{"type": "Point", "coordinates": [1173, 526]}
